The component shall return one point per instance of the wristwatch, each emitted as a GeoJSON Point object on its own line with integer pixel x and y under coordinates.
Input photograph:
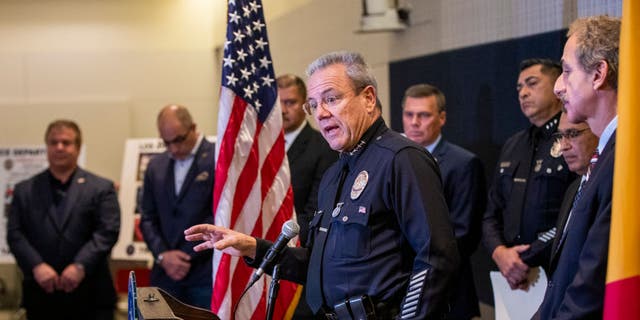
{"type": "Point", "coordinates": [159, 259]}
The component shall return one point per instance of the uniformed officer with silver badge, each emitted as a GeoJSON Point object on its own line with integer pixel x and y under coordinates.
{"type": "Point", "coordinates": [530, 180]}
{"type": "Point", "coordinates": [381, 242]}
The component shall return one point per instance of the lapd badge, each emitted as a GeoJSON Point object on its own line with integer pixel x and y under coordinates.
{"type": "Point", "coordinates": [538, 165]}
{"type": "Point", "coordinates": [556, 149]}
{"type": "Point", "coordinates": [358, 186]}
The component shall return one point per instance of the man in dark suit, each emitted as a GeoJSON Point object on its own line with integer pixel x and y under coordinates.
{"type": "Point", "coordinates": [588, 89]}
{"type": "Point", "coordinates": [577, 144]}
{"type": "Point", "coordinates": [463, 178]}
{"type": "Point", "coordinates": [62, 225]}
{"type": "Point", "coordinates": [177, 193]}
{"type": "Point", "coordinates": [309, 156]}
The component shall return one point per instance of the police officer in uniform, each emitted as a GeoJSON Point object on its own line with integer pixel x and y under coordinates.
{"type": "Point", "coordinates": [530, 179]}
{"type": "Point", "coordinates": [382, 245]}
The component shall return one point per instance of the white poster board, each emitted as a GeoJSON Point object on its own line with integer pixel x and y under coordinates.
{"type": "Point", "coordinates": [137, 153]}
{"type": "Point", "coordinates": [19, 163]}
{"type": "Point", "coordinates": [518, 304]}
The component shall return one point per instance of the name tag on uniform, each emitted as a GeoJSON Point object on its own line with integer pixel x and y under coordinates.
{"type": "Point", "coordinates": [520, 180]}
{"type": "Point", "coordinates": [321, 229]}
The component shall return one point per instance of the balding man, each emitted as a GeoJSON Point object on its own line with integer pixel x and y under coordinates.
{"type": "Point", "coordinates": [177, 193]}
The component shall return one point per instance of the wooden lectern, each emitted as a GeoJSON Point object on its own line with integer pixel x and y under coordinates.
{"type": "Point", "coordinates": [156, 304]}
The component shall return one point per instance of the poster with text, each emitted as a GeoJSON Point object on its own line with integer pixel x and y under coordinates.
{"type": "Point", "coordinates": [18, 163]}
{"type": "Point", "coordinates": [137, 154]}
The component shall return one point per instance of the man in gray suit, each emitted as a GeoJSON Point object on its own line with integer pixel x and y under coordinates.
{"type": "Point", "coordinates": [309, 156]}
{"type": "Point", "coordinates": [62, 225]}
{"type": "Point", "coordinates": [177, 193]}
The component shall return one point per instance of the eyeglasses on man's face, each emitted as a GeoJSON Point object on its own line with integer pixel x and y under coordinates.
{"type": "Point", "coordinates": [178, 139]}
{"type": "Point", "coordinates": [568, 134]}
{"type": "Point", "coordinates": [329, 100]}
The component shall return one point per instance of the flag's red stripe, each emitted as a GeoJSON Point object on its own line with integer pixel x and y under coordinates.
{"type": "Point", "coordinates": [272, 164]}
{"type": "Point", "coordinates": [285, 212]}
{"type": "Point", "coordinates": [287, 289]}
{"type": "Point", "coordinates": [227, 145]}
{"type": "Point", "coordinates": [220, 283]}
{"type": "Point", "coordinates": [239, 281]}
{"type": "Point", "coordinates": [247, 178]}
{"type": "Point", "coordinates": [621, 299]}
{"type": "Point", "coordinates": [261, 310]}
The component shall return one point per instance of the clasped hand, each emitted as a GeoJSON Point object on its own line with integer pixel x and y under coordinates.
{"type": "Point", "coordinates": [49, 280]}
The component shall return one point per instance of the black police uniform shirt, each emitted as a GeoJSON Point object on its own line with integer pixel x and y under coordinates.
{"type": "Point", "coordinates": [527, 190]}
{"type": "Point", "coordinates": [388, 233]}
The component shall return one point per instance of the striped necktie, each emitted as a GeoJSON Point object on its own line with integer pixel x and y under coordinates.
{"type": "Point", "coordinates": [592, 163]}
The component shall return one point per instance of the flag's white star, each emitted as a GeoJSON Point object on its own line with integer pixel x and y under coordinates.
{"type": "Point", "coordinates": [248, 92]}
{"type": "Point", "coordinates": [264, 62]}
{"type": "Point", "coordinates": [231, 79]}
{"type": "Point", "coordinates": [245, 73]}
{"type": "Point", "coordinates": [228, 62]}
{"type": "Point", "coordinates": [255, 86]}
{"type": "Point", "coordinates": [238, 36]}
{"type": "Point", "coordinates": [254, 6]}
{"type": "Point", "coordinates": [258, 105]}
{"type": "Point", "coordinates": [226, 44]}
{"type": "Point", "coordinates": [253, 67]}
{"type": "Point", "coordinates": [251, 50]}
{"type": "Point", "coordinates": [266, 81]}
{"type": "Point", "coordinates": [241, 55]}
{"type": "Point", "coordinates": [257, 25]}
{"type": "Point", "coordinates": [260, 43]}
{"type": "Point", "coordinates": [246, 12]}
{"type": "Point", "coordinates": [234, 17]}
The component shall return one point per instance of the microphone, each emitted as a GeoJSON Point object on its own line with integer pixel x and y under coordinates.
{"type": "Point", "coordinates": [290, 229]}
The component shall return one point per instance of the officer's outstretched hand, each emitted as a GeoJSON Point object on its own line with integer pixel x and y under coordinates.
{"type": "Point", "coordinates": [223, 239]}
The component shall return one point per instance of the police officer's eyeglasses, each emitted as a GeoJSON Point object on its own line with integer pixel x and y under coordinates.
{"type": "Point", "coordinates": [329, 101]}
{"type": "Point", "coordinates": [568, 134]}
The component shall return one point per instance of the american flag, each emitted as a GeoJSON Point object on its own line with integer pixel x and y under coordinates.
{"type": "Point", "coordinates": [252, 192]}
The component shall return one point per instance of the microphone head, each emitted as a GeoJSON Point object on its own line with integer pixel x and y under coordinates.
{"type": "Point", "coordinates": [290, 229]}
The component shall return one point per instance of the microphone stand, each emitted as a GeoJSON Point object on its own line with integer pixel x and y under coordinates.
{"type": "Point", "coordinates": [273, 291]}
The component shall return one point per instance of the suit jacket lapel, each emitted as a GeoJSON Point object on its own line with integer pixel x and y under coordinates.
{"type": "Point", "coordinates": [564, 212]}
{"type": "Point", "coordinates": [440, 151]}
{"type": "Point", "coordinates": [299, 145]}
{"type": "Point", "coordinates": [170, 180]}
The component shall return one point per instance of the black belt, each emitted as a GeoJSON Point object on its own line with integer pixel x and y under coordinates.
{"type": "Point", "coordinates": [363, 307]}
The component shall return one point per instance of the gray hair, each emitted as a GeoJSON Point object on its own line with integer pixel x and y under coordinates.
{"type": "Point", "coordinates": [357, 70]}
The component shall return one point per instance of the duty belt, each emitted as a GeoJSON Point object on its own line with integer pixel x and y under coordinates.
{"type": "Point", "coordinates": [362, 308]}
